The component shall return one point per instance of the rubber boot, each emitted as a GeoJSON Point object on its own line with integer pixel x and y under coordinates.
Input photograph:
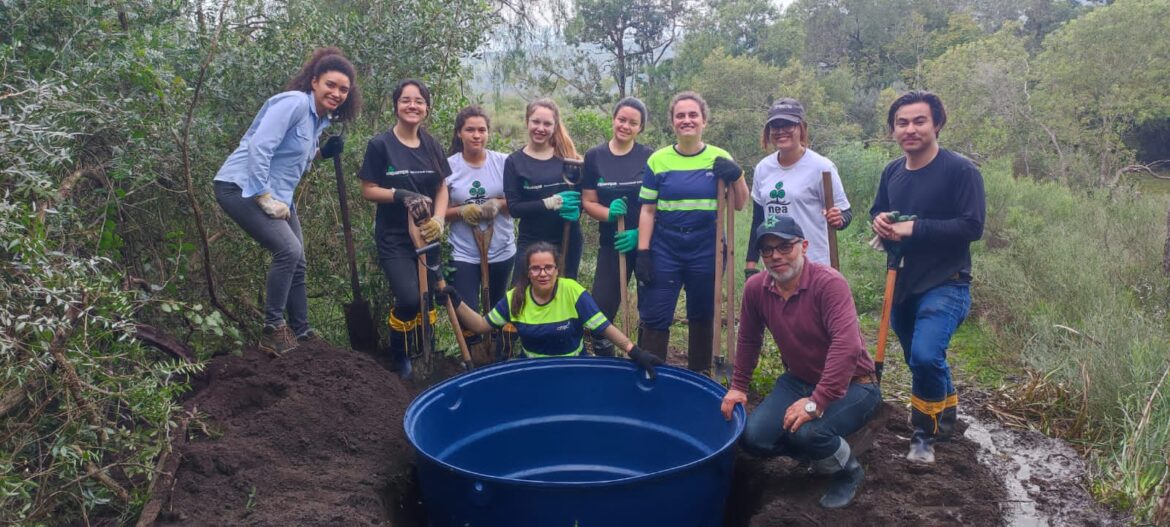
{"type": "Point", "coordinates": [699, 334]}
{"type": "Point", "coordinates": [922, 442]}
{"type": "Point", "coordinates": [947, 422]}
{"type": "Point", "coordinates": [844, 485]}
{"type": "Point", "coordinates": [399, 359]}
{"type": "Point", "coordinates": [507, 343]}
{"type": "Point", "coordinates": [602, 347]}
{"type": "Point", "coordinates": [654, 341]}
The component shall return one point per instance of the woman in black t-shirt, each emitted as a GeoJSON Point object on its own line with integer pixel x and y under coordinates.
{"type": "Point", "coordinates": [403, 171]}
{"type": "Point", "coordinates": [536, 190]}
{"type": "Point", "coordinates": [613, 177]}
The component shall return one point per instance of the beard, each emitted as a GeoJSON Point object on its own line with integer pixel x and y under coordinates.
{"type": "Point", "coordinates": [793, 271]}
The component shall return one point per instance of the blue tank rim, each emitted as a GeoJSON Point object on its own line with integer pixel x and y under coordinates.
{"type": "Point", "coordinates": [739, 417]}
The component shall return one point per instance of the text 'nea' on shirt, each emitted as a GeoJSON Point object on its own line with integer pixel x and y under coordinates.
{"type": "Point", "coordinates": [277, 148]}
{"type": "Point", "coordinates": [947, 196]}
{"type": "Point", "coordinates": [391, 164]}
{"type": "Point", "coordinates": [798, 191]}
{"type": "Point", "coordinates": [468, 184]}
{"type": "Point", "coordinates": [613, 177]}
{"type": "Point", "coordinates": [527, 181]}
{"type": "Point", "coordinates": [556, 328]}
{"type": "Point", "coordinates": [683, 187]}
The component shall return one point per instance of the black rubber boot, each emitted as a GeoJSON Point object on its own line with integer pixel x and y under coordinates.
{"type": "Point", "coordinates": [844, 485]}
{"type": "Point", "coordinates": [947, 422]}
{"type": "Point", "coordinates": [399, 359]}
{"type": "Point", "coordinates": [653, 341]}
{"type": "Point", "coordinates": [602, 347]}
{"type": "Point", "coordinates": [922, 442]}
{"type": "Point", "coordinates": [699, 334]}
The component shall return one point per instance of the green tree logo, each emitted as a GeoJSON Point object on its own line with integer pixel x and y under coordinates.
{"type": "Point", "coordinates": [778, 193]}
{"type": "Point", "coordinates": [477, 191]}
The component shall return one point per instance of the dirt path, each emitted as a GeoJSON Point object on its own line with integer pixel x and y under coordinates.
{"type": "Point", "coordinates": [315, 438]}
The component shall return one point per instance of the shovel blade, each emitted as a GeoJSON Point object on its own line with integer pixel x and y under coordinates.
{"type": "Point", "coordinates": [359, 322]}
{"type": "Point", "coordinates": [724, 369]}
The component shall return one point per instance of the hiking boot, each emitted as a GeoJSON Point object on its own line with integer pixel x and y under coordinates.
{"type": "Point", "coordinates": [921, 448]}
{"type": "Point", "coordinates": [310, 336]}
{"type": "Point", "coordinates": [844, 485]}
{"type": "Point", "coordinates": [277, 341]}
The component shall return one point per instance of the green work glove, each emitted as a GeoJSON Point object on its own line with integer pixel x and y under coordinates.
{"type": "Point", "coordinates": [570, 212]}
{"type": "Point", "coordinates": [570, 197]}
{"type": "Point", "coordinates": [617, 209]}
{"type": "Point", "coordinates": [626, 241]}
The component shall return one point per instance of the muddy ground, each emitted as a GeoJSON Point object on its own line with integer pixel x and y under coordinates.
{"type": "Point", "coordinates": [315, 438]}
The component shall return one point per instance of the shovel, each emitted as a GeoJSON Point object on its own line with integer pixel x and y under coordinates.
{"type": "Point", "coordinates": [421, 250]}
{"type": "Point", "coordinates": [359, 322]}
{"type": "Point", "coordinates": [827, 184]}
{"type": "Point", "coordinates": [879, 361]}
{"type": "Point", "coordinates": [627, 318]}
{"type": "Point", "coordinates": [483, 240]}
{"type": "Point", "coordinates": [717, 320]}
{"type": "Point", "coordinates": [572, 176]}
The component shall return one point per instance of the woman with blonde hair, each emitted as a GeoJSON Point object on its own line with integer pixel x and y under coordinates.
{"type": "Point", "coordinates": [540, 188]}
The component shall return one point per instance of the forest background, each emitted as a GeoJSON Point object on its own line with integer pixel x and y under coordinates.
{"type": "Point", "coordinates": [114, 117]}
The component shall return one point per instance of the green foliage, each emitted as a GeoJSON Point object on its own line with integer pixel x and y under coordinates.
{"type": "Point", "coordinates": [588, 128]}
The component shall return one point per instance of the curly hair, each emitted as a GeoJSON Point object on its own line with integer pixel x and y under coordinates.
{"type": "Point", "coordinates": [325, 60]}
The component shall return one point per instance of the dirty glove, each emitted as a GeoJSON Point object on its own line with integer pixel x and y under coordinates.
{"type": "Point", "coordinates": [726, 170]}
{"type": "Point", "coordinates": [617, 209]}
{"type": "Point", "coordinates": [626, 241]}
{"type": "Point", "coordinates": [273, 208]}
{"type": "Point", "coordinates": [332, 147]}
{"type": "Point", "coordinates": [749, 271]}
{"type": "Point", "coordinates": [431, 229]}
{"type": "Point", "coordinates": [553, 202]}
{"type": "Point", "coordinates": [644, 268]}
{"type": "Point", "coordinates": [471, 213]}
{"type": "Point", "coordinates": [448, 292]}
{"type": "Point", "coordinates": [490, 209]}
{"type": "Point", "coordinates": [645, 360]}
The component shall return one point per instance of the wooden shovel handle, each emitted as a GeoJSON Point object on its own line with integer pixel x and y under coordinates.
{"type": "Point", "coordinates": [887, 306]}
{"type": "Point", "coordinates": [827, 183]}
{"type": "Point", "coordinates": [717, 319]}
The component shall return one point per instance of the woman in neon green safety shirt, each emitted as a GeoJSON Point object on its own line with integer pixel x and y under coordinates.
{"type": "Point", "coordinates": [550, 313]}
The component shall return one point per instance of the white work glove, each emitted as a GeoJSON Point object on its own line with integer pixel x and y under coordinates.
{"type": "Point", "coordinates": [490, 209]}
{"type": "Point", "coordinates": [273, 208]}
{"type": "Point", "coordinates": [554, 202]}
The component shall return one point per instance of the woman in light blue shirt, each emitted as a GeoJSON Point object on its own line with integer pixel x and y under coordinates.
{"type": "Point", "coordinates": [255, 185]}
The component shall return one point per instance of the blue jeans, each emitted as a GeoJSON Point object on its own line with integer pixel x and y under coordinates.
{"type": "Point", "coordinates": [924, 324]}
{"type": "Point", "coordinates": [285, 289]}
{"type": "Point", "coordinates": [765, 436]}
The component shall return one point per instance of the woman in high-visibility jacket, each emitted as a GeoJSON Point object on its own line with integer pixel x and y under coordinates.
{"type": "Point", "coordinates": [550, 313]}
{"type": "Point", "coordinates": [675, 230]}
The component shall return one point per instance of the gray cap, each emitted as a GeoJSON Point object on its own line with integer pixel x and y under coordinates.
{"type": "Point", "coordinates": [783, 227]}
{"type": "Point", "coordinates": [786, 109]}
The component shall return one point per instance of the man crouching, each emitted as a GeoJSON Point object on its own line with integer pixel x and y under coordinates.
{"type": "Point", "coordinates": [829, 389]}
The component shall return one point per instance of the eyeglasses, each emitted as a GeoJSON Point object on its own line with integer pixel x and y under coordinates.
{"type": "Point", "coordinates": [784, 248]}
{"type": "Point", "coordinates": [542, 269]}
{"type": "Point", "coordinates": [786, 126]}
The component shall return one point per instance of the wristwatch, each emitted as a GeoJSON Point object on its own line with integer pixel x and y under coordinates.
{"type": "Point", "coordinates": [810, 408]}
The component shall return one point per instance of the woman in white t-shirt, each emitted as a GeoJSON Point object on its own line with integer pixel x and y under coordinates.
{"type": "Point", "coordinates": [789, 183]}
{"type": "Point", "coordinates": [476, 190]}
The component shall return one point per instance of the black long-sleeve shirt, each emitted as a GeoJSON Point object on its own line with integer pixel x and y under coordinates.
{"type": "Point", "coordinates": [527, 181]}
{"type": "Point", "coordinates": [947, 196]}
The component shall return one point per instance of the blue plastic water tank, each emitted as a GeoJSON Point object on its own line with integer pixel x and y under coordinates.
{"type": "Point", "coordinates": [577, 442]}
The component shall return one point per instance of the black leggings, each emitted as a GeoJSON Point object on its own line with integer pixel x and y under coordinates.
{"type": "Point", "coordinates": [606, 285]}
{"type": "Point", "coordinates": [402, 273]}
{"type": "Point", "coordinates": [466, 280]}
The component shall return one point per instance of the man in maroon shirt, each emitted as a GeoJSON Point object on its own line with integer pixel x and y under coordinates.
{"type": "Point", "coordinates": [829, 390]}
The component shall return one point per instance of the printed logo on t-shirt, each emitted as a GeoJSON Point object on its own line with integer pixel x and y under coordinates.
{"type": "Point", "coordinates": [477, 193]}
{"type": "Point", "coordinates": [777, 204]}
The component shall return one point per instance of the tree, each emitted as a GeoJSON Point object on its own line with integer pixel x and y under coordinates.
{"type": "Point", "coordinates": [634, 33]}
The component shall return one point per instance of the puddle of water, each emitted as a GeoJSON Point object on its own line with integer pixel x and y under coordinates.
{"type": "Point", "coordinates": [1035, 467]}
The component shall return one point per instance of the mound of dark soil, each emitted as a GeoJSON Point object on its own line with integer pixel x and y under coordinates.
{"type": "Point", "coordinates": [312, 438]}
{"type": "Point", "coordinates": [955, 490]}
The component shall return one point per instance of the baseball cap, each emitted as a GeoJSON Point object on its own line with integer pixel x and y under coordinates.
{"type": "Point", "coordinates": [783, 227]}
{"type": "Point", "coordinates": [787, 109]}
